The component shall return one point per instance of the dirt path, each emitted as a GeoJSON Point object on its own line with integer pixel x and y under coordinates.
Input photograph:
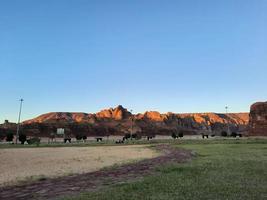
{"type": "Point", "coordinates": [71, 185]}
{"type": "Point", "coordinates": [19, 164]}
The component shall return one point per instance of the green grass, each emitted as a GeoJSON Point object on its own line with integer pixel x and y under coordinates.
{"type": "Point", "coordinates": [220, 140]}
{"type": "Point", "coordinates": [223, 169]}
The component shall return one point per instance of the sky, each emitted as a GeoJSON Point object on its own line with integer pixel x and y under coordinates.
{"type": "Point", "coordinates": [165, 55]}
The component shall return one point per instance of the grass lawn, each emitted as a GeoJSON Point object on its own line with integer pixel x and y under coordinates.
{"type": "Point", "coordinates": [222, 170]}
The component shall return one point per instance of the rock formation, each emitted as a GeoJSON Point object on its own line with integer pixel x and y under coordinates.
{"type": "Point", "coordinates": [118, 121]}
{"type": "Point", "coordinates": [118, 113]}
{"type": "Point", "coordinates": [258, 119]}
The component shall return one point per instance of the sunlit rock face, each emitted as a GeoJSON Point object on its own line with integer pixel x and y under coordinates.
{"type": "Point", "coordinates": [118, 113]}
{"type": "Point", "coordinates": [119, 121]}
{"type": "Point", "coordinates": [57, 117]}
{"type": "Point", "coordinates": [258, 119]}
{"type": "Point", "coordinates": [152, 116]}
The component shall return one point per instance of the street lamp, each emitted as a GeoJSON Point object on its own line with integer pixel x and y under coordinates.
{"type": "Point", "coordinates": [20, 108]}
{"type": "Point", "coordinates": [226, 111]}
{"type": "Point", "coordinates": [131, 124]}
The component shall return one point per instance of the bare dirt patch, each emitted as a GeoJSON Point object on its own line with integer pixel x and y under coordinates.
{"type": "Point", "coordinates": [39, 163]}
{"type": "Point", "coordinates": [71, 185]}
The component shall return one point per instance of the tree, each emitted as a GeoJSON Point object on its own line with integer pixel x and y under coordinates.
{"type": "Point", "coordinates": [174, 136]}
{"type": "Point", "coordinates": [234, 134]}
{"type": "Point", "coordinates": [2, 133]}
{"type": "Point", "coordinates": [224, 133]}
{"type": "Point", "coordinates": [84, 137]}
{"type": "Point", "coordinates": [181, 134]}
{"type": "Point", "coordinates": [127, 136]}
{"type": "Point", "coordinates": [34, 140]}
{"type": "Point", "coordinates": [79, 137]}
{"type": "Point", "coordinates": [22, 138]}
{"type": "Point", "coordinates": [9, 137]}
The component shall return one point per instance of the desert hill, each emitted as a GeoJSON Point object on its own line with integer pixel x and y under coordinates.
{"type": "Point", "coordinates": [120, 113]}
{"type": "Point", "coordinates": [118, 121]}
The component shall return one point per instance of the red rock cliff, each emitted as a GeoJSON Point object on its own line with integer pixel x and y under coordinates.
{"type": "Point", "coordinates": [118, 120]}
{"type": "Point", "coordinates": [258, 119]}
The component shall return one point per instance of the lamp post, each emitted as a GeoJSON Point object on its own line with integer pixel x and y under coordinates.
{"type": "Point", "coordinates": [226, 111]}
{"type": "Point", "coordinates": [131, 124]}
{"type": "Point", "coordinates": [20, 108]}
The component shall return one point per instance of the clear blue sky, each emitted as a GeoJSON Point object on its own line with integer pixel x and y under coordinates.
{"type": "Point", "coordinates": [85, 55]}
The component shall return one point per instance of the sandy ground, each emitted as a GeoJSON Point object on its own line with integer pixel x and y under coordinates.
{"type": "Point", "coordinates": [66, 186]}
{"type": "Point", "coordinates": [31, 163]}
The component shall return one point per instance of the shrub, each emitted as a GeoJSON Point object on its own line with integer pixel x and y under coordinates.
{"type": "Point", "coordinates": [2, 133]}
{"type": "Point", "coordinates": [34, 140]}
{"type": "Point", "coordinates": [174, 136]}
{"type": "Point", "coordinates": [205, 135]}
{"type": "Point", "coordinates": [9, 137]}
{"type": "Point", "coordinates": [67, 140]}
{"type": "Point", "coordinates": [181, 134]}
{"type": "Point", "coordinates": [84, 137]}
{"type": "Point", "coordinates": [127, 136]}
{"type": "Point", "coordinates": [22, 138]}
{"type": "Point", "coordinates": [150, 137]}
{"type": "Point", "coordinates": [136, 136]}
{"type": "Point", "coordinates": [233, 134]}
{"type": "Point", "coordinates": [79, 137]}
{"type": "Point", "coordinates": [224, 133]}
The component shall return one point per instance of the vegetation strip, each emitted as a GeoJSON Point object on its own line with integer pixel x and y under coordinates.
{"type": "Point", "coordinates": [220, 171]}
{"type": "Point", "coordinates": [70, 185]}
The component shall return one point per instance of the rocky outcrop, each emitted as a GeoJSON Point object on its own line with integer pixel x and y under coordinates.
{"type": "Point", "coordinates": [258, 119]}
{"type": "Point", "coordinates": [152, 116]}
{"type": "Point", "coordinates": [118, 121]}
{"type": "Point", "coordinates": [118, 113]}
{"type": "Point", "coordinates": [57, 117]}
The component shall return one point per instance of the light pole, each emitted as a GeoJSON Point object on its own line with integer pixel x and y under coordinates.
{"type": "Point", "coordinates": [131, 124]}
{"type": "Point", "coordinates": [20, 108]}
{"type": "Point", "coordinates": [226, 111]}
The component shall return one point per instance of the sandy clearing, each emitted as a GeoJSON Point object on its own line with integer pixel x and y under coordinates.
{"type": "Point", "coordinates": [20, 164]}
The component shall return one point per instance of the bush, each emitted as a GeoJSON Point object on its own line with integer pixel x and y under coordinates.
{"type": "Point", "coordinates": [233, 134]}
{"type": "Point", "coordinates": [84, 137]}
{"type": "Point", "coordinates": [79, 137]}
{"type": "Point", "coordinates": [67, 140]}
{"type": "Point", "coordinates": [34, 140]}
{"type": "Point", "coordinates": [150, 137]}
{"type": "Point", "coordinates": [127, 136]}
{"type": "Point", "coordinates": [205, 135]}
{"type": "Point", "coordinates": [22, 138]}
{"type": "Point", "coordinates": [2, 133]}
{"type": "Point", "coordinates": [9, 137]}
{"type": "Point", "coordinates": [224, 134]}
{"type": "Point", "coordinates": [136, 136]}
{"type": "Point", "coordinates": [174, 136]}
{"type": "Point", "coordinates": [181, 134]}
